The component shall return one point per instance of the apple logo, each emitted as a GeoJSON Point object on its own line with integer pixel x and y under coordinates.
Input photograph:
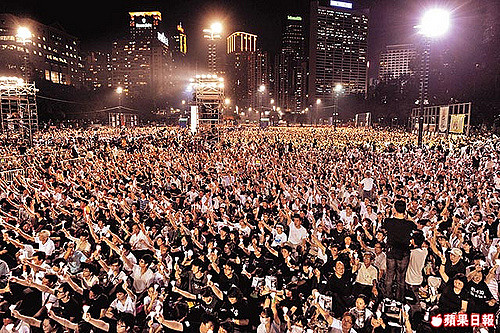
{"type": "Point", "coordinates": [436, 321]}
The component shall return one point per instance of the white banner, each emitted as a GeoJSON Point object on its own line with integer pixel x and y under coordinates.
{"type": "Point", "coordinates": [443, 118]}
{"type": "Point", "coordinates": [194, 119]}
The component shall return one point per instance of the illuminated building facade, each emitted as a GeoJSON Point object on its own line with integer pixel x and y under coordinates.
{"type": "Point", "coordinates": [338, 43]}
{"type": "Point", "coordinates": [51, 54]}
{"type": "Point", "coordinates": [395, 61]}
{"type": "Point", "coordinates": [141, 61]}
{"type": "Point", "coordinates": [241, 42]}
{"type": "Point", "coordinates": [180, 41]}
{"type": "Point", "coordinates": [98, 70]}
{"type": "Point", "coordinates": [247, 69]}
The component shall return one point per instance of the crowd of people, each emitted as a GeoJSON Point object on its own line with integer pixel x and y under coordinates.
{"type": "Point", "coordinates": [256, 230]}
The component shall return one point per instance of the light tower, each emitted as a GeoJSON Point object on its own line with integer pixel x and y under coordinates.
{"type": "Point", "coordinates": [434, 23]}
{"type": "Point", "coordinates": [214, 52]}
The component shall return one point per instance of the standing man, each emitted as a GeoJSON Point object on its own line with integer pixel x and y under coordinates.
{"type": "Point", "coordinates": [367, 185]}
{"type": "Point", "coordinates": [398, 230]}
{"type": "Point", "coordinates": [414, 274]}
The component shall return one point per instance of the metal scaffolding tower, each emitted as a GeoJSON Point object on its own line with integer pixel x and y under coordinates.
{"type": "Point", "coordinates": [18, 113]}
{"type": "Point", "coordinates": [209, 98]}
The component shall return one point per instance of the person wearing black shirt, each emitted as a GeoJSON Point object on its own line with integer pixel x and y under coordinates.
{"type": "Point", "coordinates": [237, 309]}
{"type": "Point", "coordinates": [338, 234]}
{"type": "Point", "coordinates": [97, 300]}
{"type": "Point", "coordinates": [492, 225]}
{"type": "Point", "coordinates": [454, 297]}
{"type": "Point", "coordinates": [453, 264]}
{"type": "Point", "coordinates": [398, 231]}
{"type": "Point", "coordinates": [208, 303]}
{"type": "Point", "coordinates": [480, 297]}
{"type": "Point", "coordinates": [196, 277]}
{"type": "Point", "coordinates": [70, 309]}
{"type": "Point", "coordinates": [228, 277]}
{"type": "Point", "coordinates": [340, 288]}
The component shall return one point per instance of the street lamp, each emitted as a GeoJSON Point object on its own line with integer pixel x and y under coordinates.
{"type": "Point", "coordinates": [338, 90]}
{"type": "Point", "coordinates": [24, 36]}
{"type": "Point", "coordinates": [434, 23]}
{"type": "Point", "coordinates": [119, 91]}
{"type": "Point", "coordinates": [262, 90]}
{"type": "Point", "coordinates": [318, 103]}
{"type": "Point", "coordinates": [216, 27]}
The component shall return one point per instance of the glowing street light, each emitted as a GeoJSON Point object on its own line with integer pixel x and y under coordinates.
{"type": "Point", "coordinates": [434, 23]}
{"type": "Point", "coordinates": [24, 34]}
{"type": "Point", "coordinates": [262, 88]}
{"type": "Point", "coordinates": [119, 91]}
{"type": "Point", "coordinates": [214, 32]}
{"type": "Point", "coordinates": [339, 88]}
{"type": "Point", "coordinates": [216, 27]}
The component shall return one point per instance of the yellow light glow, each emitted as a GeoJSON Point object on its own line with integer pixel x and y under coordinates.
{"type": "Point", "coordinates": [153, 13]}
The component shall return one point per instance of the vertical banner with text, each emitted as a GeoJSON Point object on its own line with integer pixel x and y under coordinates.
{"type": "Point", "coordinates": [443, 118]}
{"type": "Point", "coordinates": [457, 123]}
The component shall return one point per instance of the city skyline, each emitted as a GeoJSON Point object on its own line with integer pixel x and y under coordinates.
{"type": "Point", "coordinates": [344, 49]}
{"type": "Point", "coordinates": [390, 22]}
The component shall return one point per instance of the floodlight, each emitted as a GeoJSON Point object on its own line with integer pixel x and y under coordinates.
{"type": "Point", "coordinates": [434, 23]}
{"type": "Point", "coordinates": [216, 28]}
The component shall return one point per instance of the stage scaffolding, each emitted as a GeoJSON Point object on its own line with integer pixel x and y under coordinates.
{"type": "Point", "coordinates": [18, 112]}
{"type": "Point", "coordinates": [209, 98]}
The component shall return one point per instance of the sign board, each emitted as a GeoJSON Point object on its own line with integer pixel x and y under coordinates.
{"type": "Point", "coordinates": [341, 4]}
{"type": "Point", "coordinates": [457, 123]}
{"type": "Point", "coordinates": [162, 38]}
{"type": "Point", "coordinates": [443, 118]}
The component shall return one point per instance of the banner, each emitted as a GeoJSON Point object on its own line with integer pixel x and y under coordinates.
{"type": "Point", "coordinates": [443, 118]}
{"type": "Point", "coordinates": [194, 119]}
{"type": "Point", "coordinates": [457, 123]}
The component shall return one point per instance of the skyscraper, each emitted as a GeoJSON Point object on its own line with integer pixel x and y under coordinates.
{"type": "Point", "coordinates": [180, 40]}
{"type": "Point", "coordinates": [395, 61]}
{"type": "Point", "coordinates": [337, 49]}
{"type": "Point", "coordinates": [242, 68]}
{"type": "Point", "coordinates": [290, 67]}
{"type": "Point", "coordinates": [141, 61]}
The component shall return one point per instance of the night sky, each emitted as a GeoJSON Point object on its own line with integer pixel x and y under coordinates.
{"type": "Point", "coordinates": [391, 21]}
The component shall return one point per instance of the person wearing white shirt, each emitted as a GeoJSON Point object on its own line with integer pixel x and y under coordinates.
{"type": "Point", "coordinates": [45, 244]}
{"type": "Point", "coordinates": [297, 234]}
{"type": "Point", "coordinates": [279, 237]}
{"type": "Point", "coordinates": [123, 302]}
{"type": "Point", "coordinates": [138, 240]}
